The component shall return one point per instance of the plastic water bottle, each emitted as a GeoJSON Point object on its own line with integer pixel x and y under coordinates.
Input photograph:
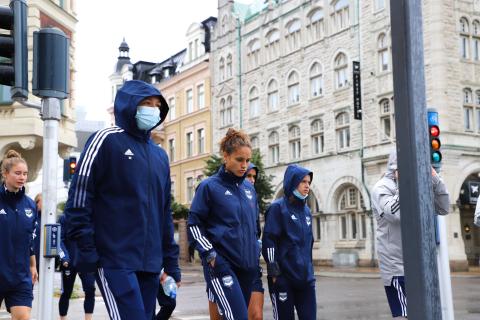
{"type": "Point", "coordinates": [170, 287]}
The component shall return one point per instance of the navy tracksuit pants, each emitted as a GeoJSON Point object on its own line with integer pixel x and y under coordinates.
{"type": "Point", "coordinates": [128, 294]}
{"type": "Point", "coordinates": [68, 280]}
{"type": "Point", "coordinates": [286, 297]}
{"type": "Point", "coordinates": [231, 289]}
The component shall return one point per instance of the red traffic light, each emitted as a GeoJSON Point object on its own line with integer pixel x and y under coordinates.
{"type": "Point", "coordinates": [434, 131]}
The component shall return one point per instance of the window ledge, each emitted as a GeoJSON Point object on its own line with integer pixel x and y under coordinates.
{"type": "Point", "coordinates": [344, 88]}
{"type": "Point", "coordinates": [350, 244]}
{"type": "Point", "coordinates": [294, 104]}
{"type": "Point", "coordinates": [316, 97]}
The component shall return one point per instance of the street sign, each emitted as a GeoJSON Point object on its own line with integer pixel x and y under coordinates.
{"type": "Point", "coordinates": [357, 92]}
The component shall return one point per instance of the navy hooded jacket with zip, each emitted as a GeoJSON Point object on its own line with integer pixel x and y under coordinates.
{"type": "Point", "coordinates": [223, 219]}
{"type": "Point", "coordinates": [18, 221]}
{"type": "Point", "coordinates": [118, 209]}
{"type": "Point", "coordinates": [287, 234]}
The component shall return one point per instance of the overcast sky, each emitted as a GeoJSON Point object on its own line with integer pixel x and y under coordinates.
{"type": "Point", "coordinates": [153, 29]}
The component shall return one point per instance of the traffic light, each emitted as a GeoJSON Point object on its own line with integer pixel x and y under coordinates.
{"type": "Point", "coordinates": [435, 144]}
{"type": "Point", "coordinates": [13, 49]}
{"type": "Point", "coordinates": [69, 166]}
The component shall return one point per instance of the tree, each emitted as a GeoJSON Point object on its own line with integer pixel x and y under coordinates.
{"type": "Point", "coordinates": [179, 210]}
{"type": "Point", "coordinates": [263, 185]}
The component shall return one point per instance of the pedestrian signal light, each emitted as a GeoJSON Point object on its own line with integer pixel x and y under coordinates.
{"type": "Point", "coordinates": [435, 144]}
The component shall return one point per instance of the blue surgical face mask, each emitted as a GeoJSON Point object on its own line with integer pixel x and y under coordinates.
{"type": "Point", "coordinates": [299, 195]}
{"type": "Point", "coordinates": [147, 117]}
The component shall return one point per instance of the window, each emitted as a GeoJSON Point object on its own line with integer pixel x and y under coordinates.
{"type": "Point", "coordinates": [226, 112]}
{"type": "Point", "coordinates": [189, 140]}
{"type": "Point", "coordinates": [316, 80]}
{"type": "Point", "coordinates": [317, 136]}
{"type": "Point", "coordinates": [316, 28]}
{"type": "Point", "coordinates": [253, 54]}
{"type": "Point", "coordinates": [190, 189]}
{"type": "Point", "coordinates": [201, 96]}
{"type": "Point", "coordinates": [383, 54]}
{"type": "Point", "coordinates": [343, 130]}
{"type": "Point", "coordinates": [189, 95]}
{"type": "Point", "coordinates": [293, 88]}
{"type": "Point", "coordinates": [255, 143]}
{"type": "Point", "coordinates": [224, 24]}
{"type": "Point", "coordinates": [5, 97]}
{"type": "Point", "coordinates": [229, 109]}
{"type": "Point", "coordinates": [171, 149]}
{"type": "Point", "coordinates": [341, 66]}
{"type": "Point", "coordinates": [476, 40]}
{"type": "Point", "coordinates": [221, 69]}
{"type": "Point", "coordinates": [471, 110]}
{"type": "Point", "coordinates": [273, 147]}
{"type": "Point", "coordinates": [379, 5]}
{"type": "Point", "coordinates": [201, 140]}
{"type": "Point", "coordinates": [340, 15]}
{"type": "Point", "coordinates": [172, 111]}
{"type": "Point", "coordinates": [294, 142]}
{"type": "Point", "coordinates": [464, 37]}
{"type": "Point", "coordinates": [253, 103]}
{"type": "Point", "coordinates": [223, 120]}
{"type": "Point", "coordinates": [353, 224]}
{"type": "Point", "coordinates": [293, 35]}
{"type": "Point", "coordinates": [229, 66]}
{"type": "Point", "coordinates": [273, 45]}
{"type": "Point", "coordinates": [387, 121]}
{"type": "Point", "coordinates": [272, 95]}
{"type": "Point", "coordinates": [172, 188]}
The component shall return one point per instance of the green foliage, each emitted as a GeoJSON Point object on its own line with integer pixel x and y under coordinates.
{"type": "Point", "coordinates": [179, 210]}
{"type": "Point", "coordinates": [263, 185]}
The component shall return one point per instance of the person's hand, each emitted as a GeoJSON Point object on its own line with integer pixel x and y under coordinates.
{"type": "Point", "coordinates": [65, 264]}
{"type": "Point", "coordinates": [179, 284]}
{"type": "Point", "coordinates": [274, 279]}
{"type": "Point", "coordinates": [212, 263]}
{"type": "Point", "coordinates": [33, 271]}
{"type": "Point", "coordinates": [163, 277]}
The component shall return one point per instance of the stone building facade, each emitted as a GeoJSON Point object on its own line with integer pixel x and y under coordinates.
{"type": "Point", "coordinates": [282, 71]}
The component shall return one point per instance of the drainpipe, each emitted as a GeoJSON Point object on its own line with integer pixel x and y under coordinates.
{"type": "Point", "coordinates": [362, 168]}
{"type": "Point", "coordinates": [239, 57]}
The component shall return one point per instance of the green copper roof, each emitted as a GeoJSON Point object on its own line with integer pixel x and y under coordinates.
{"type": "Point", "coordinates": [248, 11]}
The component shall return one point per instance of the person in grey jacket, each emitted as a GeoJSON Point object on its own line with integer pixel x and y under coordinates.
{"type": "Point", "coordinates": [386, 208]}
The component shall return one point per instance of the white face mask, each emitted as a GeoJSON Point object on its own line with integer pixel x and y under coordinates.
{"type": "Point", "coordinates": [147, 117]}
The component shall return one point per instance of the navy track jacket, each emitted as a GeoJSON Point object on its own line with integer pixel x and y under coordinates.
{"type": "Point", "coordinates": [118, 209]}
{"type": "Point", "coordinates": [18, 221]}
{"type": "Point", "coordinates": [67, 247]}
{"type": "Point", "coordinates": [223, 219]}
{"type": "Point", "coordinates": [287, 234]}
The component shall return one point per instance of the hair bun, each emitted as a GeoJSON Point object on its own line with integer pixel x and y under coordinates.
{"type": "Point", "coordinates": [12, 154]}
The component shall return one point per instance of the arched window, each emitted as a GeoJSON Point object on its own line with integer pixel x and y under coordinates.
{"type": "Point", "coordinates": [223, 114]}
{"type": "Point", "coordinates": [383, 54]}
{"type": "Point", "coordinates": [316, 26]}
{"type": "Point", "coordinates": [353, 221]}
{"type": "Point", "coordinates": [464, 38]}
{"type": "Point", "coordinates": [340, 15]}
{"type": "Point", "coordinates": [294, 142]}
{"type": "Point", "coordinates": [293, 87]}
{"type": "Point", "coordinates": [229, 108]}
{"type": "Point", "coordinates": [341, 68]}
{"type": "Point", "coordinates": [342, 127]}
{"type": "Point", "coordinates": [221, 69]}
{"type": "Point", "coordinates": [273, 147]}
{"type": "Point", "coordinates": [229, 66]}
{"type": "Point", "coordinates": [476, 40]}
{"type": "Point", "coordinates": [317, 136]}
{"type": "Point", "coordinates": [253, 54]}
{"type": "Point", "coordinates": [253, 103]}
{"type": "Point", "coordinates": [224, 24]}
{"type": "Point", "coordinates": [273, 44]}
{"type": "Point", "coordinates": [387, 121]}
{"type": "Point", "coordinates": [272, 95]}
{"type": "Point", "coordinates": [254, 141]}
{"type": "Point", "coordinates": [293, 35]}
{"type": "Point", "coordinates": [316, 80]}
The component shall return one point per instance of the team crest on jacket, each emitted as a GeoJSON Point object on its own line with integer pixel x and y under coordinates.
{"type": "Point", "coordinates": [309, 220]}
{"type": "Point", "coordinates": [29, 213]}
{"type": "Point", "coordinates": [227, 281]}
{"type": "Point", "coordinates": [249, 194]}
{"type": "Point", "coordinates": [282, 296]}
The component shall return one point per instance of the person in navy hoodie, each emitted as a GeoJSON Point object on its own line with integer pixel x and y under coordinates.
{"type": "Point", "coordinates": [222, 224]}
{"type": "Point", "coordinates": [118, 209]}
{"type": "Point", "coordinates": [287, 249]}
{"type": "Point", "coordinates": [18, 216]}
{"type": "Point", "coordinates": [69, 274]}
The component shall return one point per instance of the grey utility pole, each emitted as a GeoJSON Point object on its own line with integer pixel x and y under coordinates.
{"type": "Point", "coordinates": [416, 195]}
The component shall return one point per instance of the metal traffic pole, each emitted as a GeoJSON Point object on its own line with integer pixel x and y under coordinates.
{"type": "Point", "coordinates": [415, 181]}
{"type": "Point", "coordinates": [50, 82]}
